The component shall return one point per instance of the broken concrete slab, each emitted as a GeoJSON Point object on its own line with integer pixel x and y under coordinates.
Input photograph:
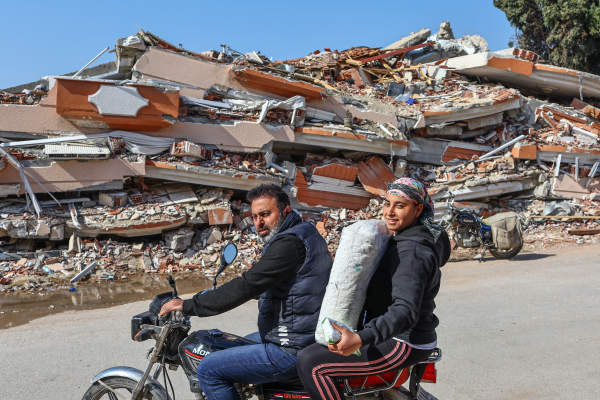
{"type": "Point", "coordinates": [443, 131]}
{"type": "Point", "coordinates": [127, 228]}
{"type": "Point", "coordinates": [179, 240]}
{"type": "Point", "coordinates": [443, 152]}
{"type": "Point", "coordinates": [42, 229]}
{"type": "Point", "coordinates": [567, 186]}
{"type": "Point", "coordinates": [349, 141]}
{"type": "Point", "coordinates": [113, 199]}
{"type": "Point", "coordinates": [487, 120]}
{"type": "Point", "coordinates": [220, 216]}
{"type": "Point", "coordinates": [74, 243]}
{"type": "Point", "coordinates": [213, 236]}
{"type": "Point", "coordinates": [57, 232]}
{"type": "Point", "coordinates": [535, 78]}
{"type": "Point", "coordinates": [486, 187]}
{"type": "Point", "coordinates": [410, 40]}
{"type": "Point", "coordinates": [231, 179]}
{"type": "Point", "coordinates": [487, 106]}
{"type": "Point", "coordinates": [328, 197]}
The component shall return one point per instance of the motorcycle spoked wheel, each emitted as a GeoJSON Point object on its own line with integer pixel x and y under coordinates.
{"type": "Point", "coordinates": [506, 254]}
{"type": "Point", "coordinates": [123, 386]}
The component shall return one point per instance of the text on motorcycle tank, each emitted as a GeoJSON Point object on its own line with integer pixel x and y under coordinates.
{"type": "Point", "coordinates": [193, 355]}
{"type": "Point", "coordinates": [467, 219]}
{"type": "Point", "coordinates": [201, 352]}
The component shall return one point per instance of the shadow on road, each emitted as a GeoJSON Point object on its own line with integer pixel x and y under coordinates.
{"type": "Point", "coordinates": [518, 257]}
{"type": "Point", "coordinates": [531, 257]}
{"type": "Point", "coordinates": [521, 257]}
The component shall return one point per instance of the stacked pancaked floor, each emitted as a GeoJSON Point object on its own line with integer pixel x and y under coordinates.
{"type": "Point", "coordinates": [142, 165]}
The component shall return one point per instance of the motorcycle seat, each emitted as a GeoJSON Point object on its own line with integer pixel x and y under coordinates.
{"type": "Point", "coordinates": [288, 383]}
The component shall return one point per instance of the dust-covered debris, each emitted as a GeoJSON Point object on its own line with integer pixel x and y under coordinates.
{"type": "Point", "coordinates": [158, 185]}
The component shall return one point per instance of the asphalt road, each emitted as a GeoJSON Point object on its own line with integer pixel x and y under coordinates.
{"type": "Point", "coordinates": [521, 329]}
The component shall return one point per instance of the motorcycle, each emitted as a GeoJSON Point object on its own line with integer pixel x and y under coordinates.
{"type": "Point", "coordinates": [176, 347]}
{"type": "Point", "coordinates": [501, 234]}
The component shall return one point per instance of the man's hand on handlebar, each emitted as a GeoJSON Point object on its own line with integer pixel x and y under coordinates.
{"type": "Point", "coordinates": [173, 305]}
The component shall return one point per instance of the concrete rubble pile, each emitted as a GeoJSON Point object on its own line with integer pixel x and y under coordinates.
{"type": "Point", "coordinates": [141, 165]}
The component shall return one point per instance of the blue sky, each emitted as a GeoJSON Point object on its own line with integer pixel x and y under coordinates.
{"type": "Point", "coordinates": [42, 38]}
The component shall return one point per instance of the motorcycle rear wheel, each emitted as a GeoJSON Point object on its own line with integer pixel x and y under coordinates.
{"type": "Point", "coordinates": [506, 254]}
{"type": "Point", "coordinates": [120, 385]}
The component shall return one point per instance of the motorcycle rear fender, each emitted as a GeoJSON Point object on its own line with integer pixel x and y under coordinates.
{"type": "Point", "coordinates": [133, 374]}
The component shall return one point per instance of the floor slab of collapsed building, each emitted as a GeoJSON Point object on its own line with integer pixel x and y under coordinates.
{"type": "Point", "coordinates": [502, 131]}
{"type": "Point", "coordinates": [516, 329]}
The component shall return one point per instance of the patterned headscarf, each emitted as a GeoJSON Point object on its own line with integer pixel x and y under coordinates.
{"type": "Point", "coordinates": [414, 191]}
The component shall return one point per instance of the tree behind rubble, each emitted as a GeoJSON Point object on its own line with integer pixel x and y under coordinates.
{"type": "Point", "coordinates": [565, 33]}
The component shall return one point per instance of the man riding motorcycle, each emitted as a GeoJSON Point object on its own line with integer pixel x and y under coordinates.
{"type": "Point", "coordinates": [290, 278]}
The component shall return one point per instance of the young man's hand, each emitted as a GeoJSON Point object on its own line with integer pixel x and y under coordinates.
{"type": "Point", "coordinates": [349, 343]}
{"type": "Point", "coordinates": [173, 305]}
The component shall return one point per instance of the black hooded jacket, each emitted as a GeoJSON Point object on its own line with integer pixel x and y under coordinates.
{"type": "Point", "coordinates": [400, 295]}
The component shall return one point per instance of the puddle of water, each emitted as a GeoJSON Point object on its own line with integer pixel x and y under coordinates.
{"type": "Point", "coordinates": [18, 309]}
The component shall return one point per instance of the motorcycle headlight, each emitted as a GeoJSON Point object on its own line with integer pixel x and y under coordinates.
{"type": "Point", "coordinates": [448, 216]}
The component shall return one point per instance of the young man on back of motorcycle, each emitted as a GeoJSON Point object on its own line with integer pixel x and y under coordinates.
{"type": "Point", "coordinates": [290, 278]}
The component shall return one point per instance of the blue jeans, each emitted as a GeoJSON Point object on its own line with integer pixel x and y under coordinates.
{"type": "Point", "coordinates": [256, 363]}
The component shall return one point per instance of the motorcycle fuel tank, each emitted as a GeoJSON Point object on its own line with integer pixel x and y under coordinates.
{"type": "Point", "coordinates": [468, 219]}
{"type": "Point", "coordinates": [199, 344]}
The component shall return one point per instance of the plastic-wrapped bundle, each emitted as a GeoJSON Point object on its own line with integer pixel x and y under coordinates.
{"type": "Point", "coordinates": [361, 247]}
{"type": "Point", "coordinates": [331, 334]}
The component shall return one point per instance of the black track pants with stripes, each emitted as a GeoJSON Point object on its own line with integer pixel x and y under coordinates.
{"type": "Point", "coordinates": [320, 369]}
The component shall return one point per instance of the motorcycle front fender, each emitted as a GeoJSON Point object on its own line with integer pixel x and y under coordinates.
{"type": "Point", "coordinates": [133, 374]}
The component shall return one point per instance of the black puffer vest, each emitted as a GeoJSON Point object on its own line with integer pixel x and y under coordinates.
{"type": "Point", "coordinates": [289, 312]}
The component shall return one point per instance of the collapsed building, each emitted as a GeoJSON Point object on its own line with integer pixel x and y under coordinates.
{"type": "Point", "coordinates": [142, 164]}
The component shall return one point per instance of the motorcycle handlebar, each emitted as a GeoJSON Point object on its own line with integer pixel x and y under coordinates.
{"type": "Point", "coordinates": [143, 335]}
{"type": "Point", "coordinates": [173, 317]}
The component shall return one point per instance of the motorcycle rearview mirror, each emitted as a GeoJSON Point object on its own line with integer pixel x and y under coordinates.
{"type": "Point", "coordinates": [451, 197]}
{"type": "Point", "coordinates": [172, 284]}
{"type": "Point", "coordinates": [228, 255]}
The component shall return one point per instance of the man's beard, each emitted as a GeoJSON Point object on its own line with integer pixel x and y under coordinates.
{"type": "Point", "coordinates": [273, 231]}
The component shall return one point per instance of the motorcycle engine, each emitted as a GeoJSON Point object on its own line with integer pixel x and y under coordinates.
{"type": "Point", "coordinates": [467, 237]}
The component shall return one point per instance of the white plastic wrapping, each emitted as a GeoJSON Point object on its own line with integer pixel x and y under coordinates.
{"type": "Point", "coordinates": [331, 334]}
{"type": "Point", "coordinates": [361, 247]}
{"type": "Point", "coordinates": [134, 142]}
{"type": "Point", "coordinates": [293, 103]}
{"type": "Point", "coordinates": [143, 144]}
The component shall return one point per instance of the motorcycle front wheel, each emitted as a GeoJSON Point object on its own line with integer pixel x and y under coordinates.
{"type": "Point", "coordinates": [123, 386]}
{"type": "Point", "coordinates": [506, 254]}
